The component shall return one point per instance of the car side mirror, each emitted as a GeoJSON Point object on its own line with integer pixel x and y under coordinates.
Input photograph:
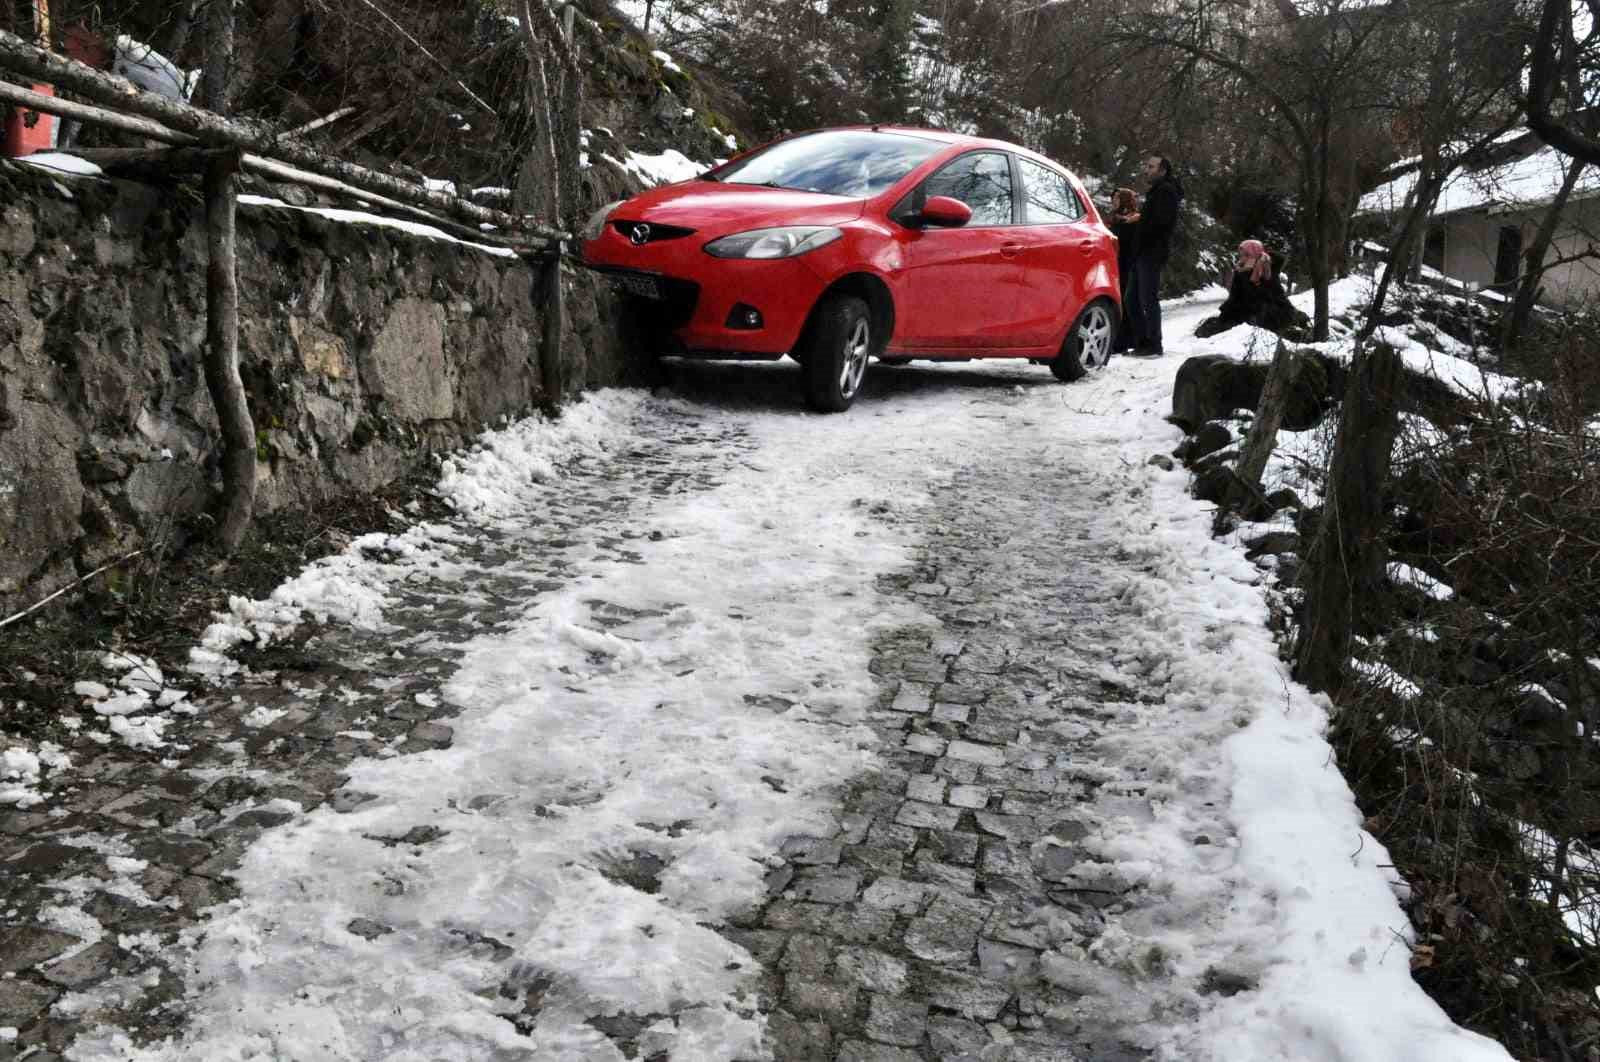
{"type": "Point", "coordinates": [944, 212]}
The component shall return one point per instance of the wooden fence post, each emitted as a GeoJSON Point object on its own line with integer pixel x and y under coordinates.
{"type": "Point", "coordinates": [238, 431]}
{"type": "Point", "coordinates": [554, 298]}
{"type": "Point", "coordinates": [1345, 566]}
{"type": "Point", "coordinates": [1269, 415]}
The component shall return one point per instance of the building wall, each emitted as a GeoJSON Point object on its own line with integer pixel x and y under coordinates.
{"type": "Point", "coordinates": [1472, 243]}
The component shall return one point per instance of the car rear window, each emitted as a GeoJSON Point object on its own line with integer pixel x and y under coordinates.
{"type": "Point", "coordinates": [1050, 199]}
{"type": "Point", "coordinates": [855, 163]}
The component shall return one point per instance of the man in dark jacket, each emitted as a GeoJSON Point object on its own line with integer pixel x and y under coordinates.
{"type": "Point", "coordinates": [1157, 221]}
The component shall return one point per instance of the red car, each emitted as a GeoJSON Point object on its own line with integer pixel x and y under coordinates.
{"type": "Point", "coordinates": [842, 244]}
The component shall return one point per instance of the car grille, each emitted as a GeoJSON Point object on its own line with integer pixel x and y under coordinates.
{"type": "Point", "coordinates": [670, 310]}
{"type": "Point", "coordinates": [653, 233]}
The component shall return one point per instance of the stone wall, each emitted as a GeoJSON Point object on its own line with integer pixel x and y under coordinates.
{"type": "Point", "coordinates": [361, 347]}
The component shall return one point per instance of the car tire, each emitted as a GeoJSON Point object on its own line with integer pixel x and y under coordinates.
{"type": "Point", "coordinates": [834, 352]}
{"type": "Point", "coordinates": [1089, 343]}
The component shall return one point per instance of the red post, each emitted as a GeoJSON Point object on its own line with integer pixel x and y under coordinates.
{"type": "Point", "coordinates": [29, 131]}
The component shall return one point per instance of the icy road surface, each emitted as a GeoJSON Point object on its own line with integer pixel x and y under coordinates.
{"type": "Point", "coordinates": [714, 730]}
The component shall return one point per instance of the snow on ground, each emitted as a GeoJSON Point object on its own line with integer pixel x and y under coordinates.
{"type": "Point", "coordinates": [582, 744]}
{"type": "Point", "coordinates": [1312, 908]}
{"type": "Point", "coordinates": [1441, 360]}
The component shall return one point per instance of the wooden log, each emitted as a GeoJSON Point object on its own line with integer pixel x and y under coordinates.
{"type": "Point", "coordinates": [326, 120]}
{"type": "Point", "coordinates": [1345, 566]}
{"type": "Point", "coordinates": [276, 171]}
{"type": "Point", "coordinates": [18, 55]}
{"type": "Point", "coordinates": [126, 123]}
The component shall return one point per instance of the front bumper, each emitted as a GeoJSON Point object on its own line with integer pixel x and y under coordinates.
{"type": "Point", "coordinates": [694, 294]}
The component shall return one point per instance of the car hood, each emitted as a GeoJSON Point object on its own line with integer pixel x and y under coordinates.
{"type": "Point", "coordinates": [710, 206]}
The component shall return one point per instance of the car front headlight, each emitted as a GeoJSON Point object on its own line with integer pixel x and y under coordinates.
{"type": "Point", "coordinates": [785, 242]}
{"type": "Point", "coordinates": [597, 221]}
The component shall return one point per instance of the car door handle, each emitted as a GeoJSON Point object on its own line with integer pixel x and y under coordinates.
{"type": "Point", "coordinates": [1010, 250]}
{"type": "Point", "coordinates": [1086, 246]}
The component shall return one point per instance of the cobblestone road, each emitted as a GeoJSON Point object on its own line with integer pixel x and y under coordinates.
{"type": "Point", "coordinates": [952, 916]}
{"type": "Point", "coordinates": [917, 932]}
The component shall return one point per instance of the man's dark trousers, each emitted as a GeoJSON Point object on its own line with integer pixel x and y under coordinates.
{"type": "Point", "coordinates": [1147, 301]}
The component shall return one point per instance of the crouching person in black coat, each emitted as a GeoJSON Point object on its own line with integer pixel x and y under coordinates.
{"type": "Point", "coordinates": [1255, 296]}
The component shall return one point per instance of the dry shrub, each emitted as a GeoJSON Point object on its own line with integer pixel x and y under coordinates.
{"type": "Point", "coordinates": [1470, 738]}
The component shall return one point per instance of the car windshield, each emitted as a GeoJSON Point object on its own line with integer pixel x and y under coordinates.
{"type": "Point", "coordinates": [855, 163]}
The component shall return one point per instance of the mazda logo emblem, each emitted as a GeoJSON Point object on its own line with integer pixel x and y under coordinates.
{"type": "Point", "coordinates": [639, 234]}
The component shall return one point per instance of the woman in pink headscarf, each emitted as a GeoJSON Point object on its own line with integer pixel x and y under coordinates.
{"type": "Point", "coordinates": [1255, 296]}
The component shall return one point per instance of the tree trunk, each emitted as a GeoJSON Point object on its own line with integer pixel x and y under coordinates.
{"type": "Point", "coordinates": [1318, 267]}
{"type": "Point", "coordinates": [43, 66]}
{"type": "Point", "coordinates": [182, 24]}
{"type": "Point", "coordinates": [568, 147]}
{"type": "Point", "coordinates": [1429, 184]}
{"type": "Point", "coordinates": [1315, 232]}
{"type": "Point", "coordinates": [1345, 566]}
{"type": "Point", "coordinates": [539, 184]}
{"type": "Point", "coordinates": [222, 297]}
{"type": "Point", "coordinates": [1521, 308]}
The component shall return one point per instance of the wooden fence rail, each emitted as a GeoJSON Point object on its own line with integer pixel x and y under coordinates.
{"type": "Point", "coordinates": [120, 95]}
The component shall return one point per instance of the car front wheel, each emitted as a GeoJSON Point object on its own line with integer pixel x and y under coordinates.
{"type": "Point", "coordinates": [1089, 344]}
{"type": "Point", "coordinates": [834, 352]}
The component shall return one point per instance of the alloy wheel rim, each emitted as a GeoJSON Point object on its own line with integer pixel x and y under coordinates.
{"type": "Point", "coordinates": [856, 350]}
{"type": "Point", "coordinates": [1094, 338]}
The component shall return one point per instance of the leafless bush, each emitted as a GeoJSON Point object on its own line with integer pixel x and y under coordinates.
{"type": "Point", "coordinates": [1470, 735]}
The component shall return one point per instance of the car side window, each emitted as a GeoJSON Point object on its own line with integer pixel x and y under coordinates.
{"type": "Point", "coordinates": [982, 180]}
{"type": "Point", "coordinates": [1047, 196]}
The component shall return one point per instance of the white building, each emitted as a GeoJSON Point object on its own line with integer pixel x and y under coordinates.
{"type": "Point", "coordinates": [1486, 218]}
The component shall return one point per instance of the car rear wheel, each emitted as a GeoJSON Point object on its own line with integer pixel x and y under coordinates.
{"type": "Point", "coordinates": [1089, 344]}
{"type": "Point", "coordinates": [834, 352]}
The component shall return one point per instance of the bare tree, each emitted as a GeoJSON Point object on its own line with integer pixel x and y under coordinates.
{"type": "Point", "coordinates": [1536, 261]}
{"type": "Point", "coordinates": [551, 176]}
{"type": "Point", "coordinates": [1455, 105]}
{"type": "Point", "coordinates": [1555, 48]}
{"type": "Point", "coordinates": [1313, 82]}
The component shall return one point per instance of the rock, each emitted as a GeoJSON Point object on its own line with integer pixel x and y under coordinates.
{"type": "Point", "coordinates": [41, 496]}
{"type": "Point", "coordinates": [25, 946]}
{"type": "Point", "coordinates": [98, 468]}
{"type": "Point", "coordinates": [367, 929]}
{"type": "Point", "coordinates": [1272, 542]}
{"type": "Point", "coordinates": [433, 735]}
{"type": "Point", "coordinates": [1214, 484]}
{"type": "Point", "coordinates": [406, 365]}
{"type": "Point", "coordinates": [85, 968]}
{"type": "Point", "coordinates": [1284, 498]}
{"type": "Point", "coordinates": [21, 1002]}
{"type": "Point", "coordinates": [1210, 438]}
{"type": "Point", "coordinates": [1212, 386]}
{"type": "Point", "coordinates": [1161, 461]}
